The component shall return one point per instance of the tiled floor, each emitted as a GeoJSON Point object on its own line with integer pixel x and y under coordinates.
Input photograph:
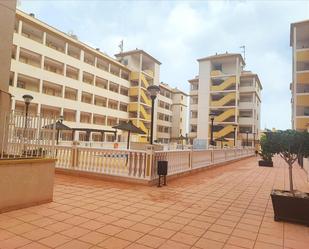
{"type": "Point", "coordinates": [227, 207]}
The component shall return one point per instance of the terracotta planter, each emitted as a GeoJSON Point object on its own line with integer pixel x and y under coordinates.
{"type": "Point", "coordinates": [291, 208]}
{"type": "Point", "coordinates": [265, 163]}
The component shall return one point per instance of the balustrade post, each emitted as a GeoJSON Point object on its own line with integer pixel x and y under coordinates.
{"type": "Point", "coordinates": [149, 163]}
{"type": "Point", "coordinates": [212, 156]}
{"type": "Point", "coordinates": [74, 155]}
{"type": "Point", "coordinates": [190, 158]}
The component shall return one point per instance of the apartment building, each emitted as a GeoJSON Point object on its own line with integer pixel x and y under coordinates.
{"type": "Point", "coordinates": [223, 88]}
{"type": "Point", "coordinates": [68, 78]}
{"type": "Point", "coordinates": [172, 110]}
{"type": "Point", "coordinates": [299, 41]}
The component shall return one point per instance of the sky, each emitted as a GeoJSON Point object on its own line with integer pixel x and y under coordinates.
{"type": "Point", "coordinates": [177, 33]}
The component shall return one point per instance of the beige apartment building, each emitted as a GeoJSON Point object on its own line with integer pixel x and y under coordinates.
{"type": "Point", "coordinates": [172, 111]}
{"type": "Point", "coordinates": [223, 88]}
{"type": "Point", "coordinates": [299, 41]}
{"type": "Point", "coordinates": [91, 90]}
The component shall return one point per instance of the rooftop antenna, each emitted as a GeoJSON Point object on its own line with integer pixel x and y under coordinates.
{"type": "Point", "coordinates": [243, 47]}
{"type": "Point", "coordinates": [121, 46]}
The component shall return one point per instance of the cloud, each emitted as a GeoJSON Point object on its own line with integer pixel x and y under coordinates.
{"type": "Point", "coordinates": [179, 32]}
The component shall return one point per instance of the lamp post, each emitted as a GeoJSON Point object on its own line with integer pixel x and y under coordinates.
{"type": "Point", "coordinates": [247, 143]}
{"type": "Point", "coordinates": [58, 128]}
{"type": "Point", "coordinates": [212, 118]}
{"type": "Point", "coordinates": [235, 127]}
{"type": "Point", "coordinates": [153, 91]}
{"type": "Point", "coordinates": [27, 98]}
{"type": "Point", "coordinates": [253, 139]}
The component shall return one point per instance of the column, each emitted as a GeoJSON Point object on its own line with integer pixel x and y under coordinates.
{"type": "Point", "coordinates": [41, 86]}
{"type": "Point", "coordinates": [15, 79]}
{"type": "Point", "coordinates": [20, 26]}
{"type": "Point", "coordinates": [66, 49]}
{"type": "Point", "coordinates": [44, 38]}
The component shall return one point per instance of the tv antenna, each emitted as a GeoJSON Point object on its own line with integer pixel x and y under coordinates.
{"type": "Point", "coordinates": [243, 47]}
{"type": "Point", "coordinates": [121, 46]}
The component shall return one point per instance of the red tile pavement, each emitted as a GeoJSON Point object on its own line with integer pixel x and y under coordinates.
{"type": "Point", "coordinates": [226, 207]}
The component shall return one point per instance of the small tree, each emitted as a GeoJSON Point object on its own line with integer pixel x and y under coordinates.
{"type": "Point", "coordinates": [289, 145]}
{"type": "Point", "coordinates": [267, 151]}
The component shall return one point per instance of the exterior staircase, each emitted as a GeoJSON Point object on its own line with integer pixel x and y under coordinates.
{"type": "Point", "coordinates": [221, 102]}
{"type": "Point", "coordinates": [225, 84]}
{"type": "Point", "coordinates": [225, 115]}
{"type": "Point", "coordinates": [223, 132]}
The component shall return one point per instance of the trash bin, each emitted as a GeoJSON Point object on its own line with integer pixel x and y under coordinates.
{"type": "Point", "coordinates": [162, 171]}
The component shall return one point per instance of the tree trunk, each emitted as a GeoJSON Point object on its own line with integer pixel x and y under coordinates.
{"type": "Point", "coordinates": [291, 178]}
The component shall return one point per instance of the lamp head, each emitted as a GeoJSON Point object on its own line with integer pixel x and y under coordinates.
{"type": "Point", "coordinates": [27, 98]}
{"type": "Point", "coordinates": [212, 115]}
{"type": "Point", "coordinates": [153, 91]}
{"type": "Point", "coordinates": [61, 118]}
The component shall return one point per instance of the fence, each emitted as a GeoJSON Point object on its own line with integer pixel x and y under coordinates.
{"type": "Point", "coordinates": [28, 136]}
{"type": "Point", "coordinates": [188, 160]}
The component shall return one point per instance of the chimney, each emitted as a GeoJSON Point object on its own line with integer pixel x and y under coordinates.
{"type": "Point", "coordinates": [98, 49]}
{"type": "Point", "coordinates": [32, 15]}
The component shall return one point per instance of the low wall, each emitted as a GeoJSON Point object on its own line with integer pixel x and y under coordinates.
{"type": "Point", "coordinates": [26, 182]}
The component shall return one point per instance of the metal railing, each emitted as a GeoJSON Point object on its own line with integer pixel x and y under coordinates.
{"type": "Point", "coordinates": [27, 136]}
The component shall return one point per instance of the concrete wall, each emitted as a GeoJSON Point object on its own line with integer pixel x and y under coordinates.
{"type": "Point", "coordinates": [203, 99]}
{"type": "Point", "coordinates": [26, 182]}
{"type": "Point", "coordinates": [7, 20]}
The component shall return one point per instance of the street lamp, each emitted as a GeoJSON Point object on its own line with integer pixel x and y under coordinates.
{"type": "Point", "coordinates": [254, 139]}
{"type": "Point", "coordinates": [235, 127]}
{"type": "Point", "coordinates": [27, 98]}
{"type": "Point", "coordinates": [247, 143]}
{"type": "Point", "coordinates": [153, 91]}
{"type": "Point", "coordinates": [61, 118]}
{"type": "Point", "coordinates": [212, 118]}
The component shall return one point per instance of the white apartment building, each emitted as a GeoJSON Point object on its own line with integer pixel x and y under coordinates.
{"type": "Point", "coordinates": [233, 95]}
{"type": "Point", "coordinates": [299, 41]}
{"type": "Point", "coordinates": [91, 90]}
{"type": "Point", "coordinates": [172, 110]}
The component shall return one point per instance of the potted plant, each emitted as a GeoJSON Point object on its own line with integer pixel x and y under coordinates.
{"type": "Point", "coordinates": [290, 205]}
{"type": "Point", "coordinates": [267, 152]}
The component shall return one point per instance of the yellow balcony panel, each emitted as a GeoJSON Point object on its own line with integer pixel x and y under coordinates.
{"type": "Point", "coordinates": [225, 84]}
{"type": "Point", "coordinates": [303, 78]}
{"type": "Point", "coordinates": [133, 107]}
{"type": "Point", "coordinates": [302, 56]}
{"type": "Point", "coordinates": [224, 131]}
{"type": "Point", "coordinates": [224, 100]}
{"type": "Point", "coordinates": [302, 123]}
{"type": "Point", "coordinates": [134, 75]}
{"type": "Point", "coordinates": [215, 73]}
{"type": "Point", "coordinates": [225, 115]}
{"type": "Point", "coordinates": [302, 100]}
{"type": "Point", "coordinates": [133, 91]}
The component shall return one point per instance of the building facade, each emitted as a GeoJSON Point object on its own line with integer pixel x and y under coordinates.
{"type": "Point", "coordinates": [299, 41]}
{"type": "Point", "coordinates": [223, 88]}
{"type": "Point", "coordinates": [68, 78]}
{"type": "Point", "coordinates": [172, 111]}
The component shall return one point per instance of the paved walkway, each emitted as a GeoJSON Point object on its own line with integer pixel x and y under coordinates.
{"type": "Point", "coordinates": [227, 207]}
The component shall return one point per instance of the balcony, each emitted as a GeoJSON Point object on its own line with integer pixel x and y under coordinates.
{"type": "Point", "coordinates": [112, 104]}
{"type": "Point", "coordinates": [69, 115]}
{"type": "Point", "coordinates": [87, 98]}
{"type": "Point", "coordinates": [302, 78]}
{"type": "Point", "coordinates": [30, 58]}
{"type": "Point", "coordinates": [114, 87]}
{"type": "Point", "coordinates": [50, 111]}
{"type": "Point", "coordinates": [100, 82]}
{"type": "Point", "coordinates": [74, 51]}
{"type": "Point", "coordinates": [302, 55]}
{"type": "Point", "coordinates": [28, 83]}
{"type": "Point", "coordinates": [32, 32]}
{"type": "Point", "coordinates": [55, 43]}
{"type": "Point", "coordinates": [99, 119]}
{"type": "Point", "coordinates": [302, 100]}
{"type": "Point", "coordinates": [115, 70]}
{"type": "Point", "coordinates": [52, 89]}
{"type": "Point", "coordinates": [88, 78]}
{"type": "Point", "coordinates": [89, 59]}
{"type": "Point", "coordinates": [85, 117]}
{"type": "Point", "coordinates": [53, 66]}
{"type": "Point", "coordinates": [100, 101]}
{"type": "Point", "coordinates": [102, 64]}
{"type": "Point", "coordinates": [111, 121]}
{"type": "Point", "coordinates": [72, 72]}
{"type": "Point", "coordinates": [70, 93]}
